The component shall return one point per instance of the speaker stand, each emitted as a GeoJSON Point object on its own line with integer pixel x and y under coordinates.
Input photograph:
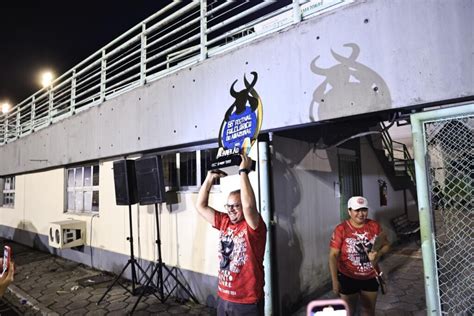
{"type": "Point", "coordinates": [132, 262]}
{"type": "Point", "coordinates": [158, 270]}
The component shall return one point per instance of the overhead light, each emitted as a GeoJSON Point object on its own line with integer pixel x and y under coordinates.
{"type": "Point", "coordinates": [5, 108]}
{"type": "Point", "coordinates": [46, 79]}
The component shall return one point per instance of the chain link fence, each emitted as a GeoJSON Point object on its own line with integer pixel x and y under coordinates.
{"type": "Point", "coordinates": [450, 167]}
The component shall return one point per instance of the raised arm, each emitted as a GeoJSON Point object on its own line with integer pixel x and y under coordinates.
{"type": "Point", "coordinates": [247, 196]}
{"type": "Point", "coordinates": [202, 204]}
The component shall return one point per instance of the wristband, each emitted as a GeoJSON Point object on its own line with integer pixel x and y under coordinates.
{"type": "Point", "coordinates": [244, 170]}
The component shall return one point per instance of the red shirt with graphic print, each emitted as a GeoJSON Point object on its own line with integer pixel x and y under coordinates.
{"type": "Point", "coordinates": [241, 251]}
{"type": "Point", "coordinates": [354, 244]}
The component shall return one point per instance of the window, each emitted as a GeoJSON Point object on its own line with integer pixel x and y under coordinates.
{"type": "Point", "coordinates": [83, 189]}
{"type": "Point", "coordinates": [187, 170]}
{"type": "Point", "coordinates": [8, 192]}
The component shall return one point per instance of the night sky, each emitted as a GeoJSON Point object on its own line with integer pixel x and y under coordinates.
{"type": "Point", "coordinates": [57, 35]}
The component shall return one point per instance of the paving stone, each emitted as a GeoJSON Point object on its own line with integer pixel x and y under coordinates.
{"type": "Point", "coordinates": [77, 304]}
{"type": "Point", "coordinates": [388, 298]}
{"type": "Point", "coordinates": [77, 312]}
{"type": "Point", "coordinates": [157, 308]}
{"type": "Point", "coordinates": [406, 307]}
{"type": "Point", "coordinates": [178, 310]}
{"type": "Point", "coordinates": [115, 306]}
{"type": "Point", "coordinates": [95, 313]}
{"type": "Point", "coordinates": [82, 296]}
{"type": "Point", "coordinates": [60, 304]}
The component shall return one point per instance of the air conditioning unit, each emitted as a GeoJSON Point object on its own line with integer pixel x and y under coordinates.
{"type": "Point", "coordinates": [67, 234]}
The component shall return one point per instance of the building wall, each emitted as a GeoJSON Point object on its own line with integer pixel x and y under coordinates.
{"type": "Point", "coordinates": [403, 56]}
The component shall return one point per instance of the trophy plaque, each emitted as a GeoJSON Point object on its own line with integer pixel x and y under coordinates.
{"type": "Point", "coordinates": [240, 127]}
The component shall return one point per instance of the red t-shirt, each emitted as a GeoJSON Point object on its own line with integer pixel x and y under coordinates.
{"type": "Point", "coordinates": [351, 241]}
{"type": "Point", "coordinates": [241, 250]}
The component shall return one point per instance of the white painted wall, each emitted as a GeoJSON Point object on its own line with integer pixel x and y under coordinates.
{"type": "Point", "coordinates": [187, 240]}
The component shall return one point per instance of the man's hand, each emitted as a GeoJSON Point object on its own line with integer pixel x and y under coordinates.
{"type": "Point", "coordinates": [7, 278]}
{"type": "Point", "coordinates": [213, 175]}
{"type": "Point", "coordinates": [246, 162]}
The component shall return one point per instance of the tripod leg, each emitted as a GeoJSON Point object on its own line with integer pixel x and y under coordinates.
{"type": "Point", "coordinates": [155, 270]}
{"type": "Point", "coordinates": [113, 283]}
{"type": "Point", "coordinates": [178, 283]}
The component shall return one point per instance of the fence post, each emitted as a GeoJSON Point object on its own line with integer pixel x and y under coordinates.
{"type": "Point", "coordinates": [143, 55]}
{"type": "Point", "coordinates": [103, 76]}
{"type": "Point", "coordinates": [203, 42]}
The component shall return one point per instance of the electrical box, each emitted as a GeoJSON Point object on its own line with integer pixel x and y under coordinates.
{"type": "Point", "coordinates": [67, 234]}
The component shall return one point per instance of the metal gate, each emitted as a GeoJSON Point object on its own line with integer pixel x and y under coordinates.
{"type": "Point", "coordinates": [444, 162]}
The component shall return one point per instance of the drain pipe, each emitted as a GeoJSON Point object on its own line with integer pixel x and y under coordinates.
{"type": "Point", "coordinates": [265, 210]}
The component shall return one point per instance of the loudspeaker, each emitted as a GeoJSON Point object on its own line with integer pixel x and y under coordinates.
{"type": "Point", "coordinates": [125, 182]}
{"type": "Point", "coordinates": [150, 180]}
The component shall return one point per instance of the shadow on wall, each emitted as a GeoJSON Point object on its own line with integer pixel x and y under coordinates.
{"type": "Point", "coordinates": [287, 243]}
{"type": "Point", "coordinates": [27, 234]}
{"type": "Point", "coordinates": [349, 88]}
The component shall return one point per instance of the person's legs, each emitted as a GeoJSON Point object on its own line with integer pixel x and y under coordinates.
{"type": "Point", "coordinates": [351, 301]}
{"type": "Point", "coordinates": [226, 308]}
{"type": "Point", "coordinates": [222, 308]}
{"type": "Point", "coordinates": [349, 292]}
{"type": "Point", "coordinates": [367, 301]}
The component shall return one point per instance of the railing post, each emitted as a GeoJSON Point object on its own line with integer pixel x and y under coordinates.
{"type": "Point", "coordinates": [203, 43]}
{"type": "Point", "coordinates": [50, 103]}
{"type": "Point", "coordinates": [5, 135]}
{"type": "Point", "coordinates": [296, 11]}
{"type": "Point", "coordinates": [143, 55]}
{"type": "Point", "coordinates": [73, 92]}
{"type": "Point", "coordinates": [33, 113]}
{"type": "Point", "coordinates": [17, 127]}
{"type": "Point", "coordinates": [102, 76]}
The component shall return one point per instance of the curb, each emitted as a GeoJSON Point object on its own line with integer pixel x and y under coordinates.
{"type": "Point", "coordinates": [26, 299]}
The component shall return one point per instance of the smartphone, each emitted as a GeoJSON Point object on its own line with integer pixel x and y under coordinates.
{"type": "Point", "coordinates": [335, 307]}
{"type": "Point", "coordinates": [7, 253]}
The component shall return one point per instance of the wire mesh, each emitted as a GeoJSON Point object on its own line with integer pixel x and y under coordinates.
{"type": "Point", "coordinates": [450, 161]}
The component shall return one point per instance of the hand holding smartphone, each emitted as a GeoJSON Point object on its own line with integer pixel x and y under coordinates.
{"type": "Point", "coordinates": [335, 307]}
{"type": "Point", "coordinates": [7, 253]}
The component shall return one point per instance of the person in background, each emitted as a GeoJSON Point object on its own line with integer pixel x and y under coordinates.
{"type": "Point", "coordinates": [7, 278]}
{"type": "Point", "coordinates": [242, 235]}
{"type": "Point", "coordinates": [353, 259]}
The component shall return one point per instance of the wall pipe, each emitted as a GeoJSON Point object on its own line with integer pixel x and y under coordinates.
{"type": "Point", "coordinates": [265, 210]}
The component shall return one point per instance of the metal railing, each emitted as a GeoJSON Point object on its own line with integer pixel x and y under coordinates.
{"type": "Point", "coordinates": [177, 36]}
{"type": "Point", "coordinates": [398, 154]}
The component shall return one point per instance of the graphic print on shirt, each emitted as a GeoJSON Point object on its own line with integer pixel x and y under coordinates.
{"type": "Point", "coordinates": [232, 255]}
{"type": "Point", "coordinates": [357, 249]}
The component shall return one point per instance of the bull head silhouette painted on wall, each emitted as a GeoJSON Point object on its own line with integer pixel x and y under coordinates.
{"type": "Point", "coordinates": [349, 88]}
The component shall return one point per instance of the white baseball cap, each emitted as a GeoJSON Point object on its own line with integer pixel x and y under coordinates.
{"type": "Point", "coordinates": [357, 202]}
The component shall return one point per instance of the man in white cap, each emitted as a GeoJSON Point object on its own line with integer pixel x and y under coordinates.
{"type": "Point", "coordinates": [353, 259]}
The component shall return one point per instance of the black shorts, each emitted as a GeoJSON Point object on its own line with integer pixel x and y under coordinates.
{"type": "Point", "coordinates": [226, 308]}
{"type": "Point", "coordinates": [351, 286]}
